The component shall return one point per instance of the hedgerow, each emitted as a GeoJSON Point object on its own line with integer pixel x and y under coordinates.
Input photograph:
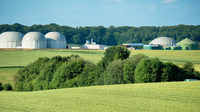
{"type": "Point", "coordinates": [116, 67]}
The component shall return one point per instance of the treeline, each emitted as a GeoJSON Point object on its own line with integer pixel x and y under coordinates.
{"type": "Point", "coordinates": [116, 67]}
{"type": "Point", "coordinates": [112, 35]}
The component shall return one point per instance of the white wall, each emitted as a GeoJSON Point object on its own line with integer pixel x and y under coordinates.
{"type": "Point", "coordinates": [34, 44]}
{"type": "Point", "coordinates": [56, 44]}
{"type": "Point", "coordinates": [6, 44]}
{"type": "Point", "coordinates": [100, 47]}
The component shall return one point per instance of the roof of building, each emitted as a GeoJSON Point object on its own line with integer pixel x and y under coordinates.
{"type": "Point", "coordinates": [186, 41]}
{"type": "Point", "coordinates": [163, 41]}
{"type": "Point", "coordinates": [11, 36]}
{"type": "Point", "coordinates": [32, 36]}
{"type": "Point", "coordinates": [133, 44]}
{"type": "Point", "coordinates": [55, 36]}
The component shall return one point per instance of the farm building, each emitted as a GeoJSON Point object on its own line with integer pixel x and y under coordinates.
{"type": "Point", "coordinates": [188, 44]}
{"type": "Point", "coordinates": [55, 40]}
{"type": "Point", "coordinates": [133, 45]}
{"type": "Point", "coordinates": [34, 40]}
{"type": "Point", "coordinates": [93, 45]}
{"type": "Point", "coordinates": [10, 39]}
{"type": "Point", "coordinates": [152, 47]}
{"type": "Point", "coordinates": [164, 41]}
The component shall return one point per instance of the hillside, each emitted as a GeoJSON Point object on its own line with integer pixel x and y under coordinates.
{"type": "Point", "coordinates": [169, 96]}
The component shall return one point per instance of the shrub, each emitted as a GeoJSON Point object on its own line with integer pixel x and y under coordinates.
{"type": "Point", "coordinates": [66, 72]}
{"type": "Point", "coordinates": [114, 72]}
{"type": "Point", "coordinates": [1, 87]}
{"type": "Point", "coordinates": [188, 66]}
{"type": "Point", "coordinates": [7, 87]}
{"type": "Point", "coordinates": [148, 70]}
{"type": "Point", "coordinates": [114, 53]}
{"type": "Point", "coordinates": [87, 77]}
{"type": "Point", "coordinates": [172, 72]}
{"type": "Point", "coordinates": [130, 65]}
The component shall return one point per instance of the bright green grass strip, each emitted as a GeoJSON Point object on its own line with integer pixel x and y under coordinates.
{"type": "Point", "coordinates": [178, 57]}
{"type": "Point", "coordinates": [6, 74]}
{"type": "Point", "coordinates": [160, 97]}
{"type": "Point", "coordinates": [24, 57]}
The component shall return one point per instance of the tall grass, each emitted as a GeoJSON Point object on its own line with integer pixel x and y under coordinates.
{"type": "Point", "coordinates": [159, 97]}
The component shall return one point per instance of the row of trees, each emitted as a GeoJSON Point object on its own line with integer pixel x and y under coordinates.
{"type": "Point", "coordinates": [112, 35]}
{"type": "Point", "coordinates": [116, 67]}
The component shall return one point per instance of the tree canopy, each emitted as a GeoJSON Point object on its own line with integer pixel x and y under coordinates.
{"type": "Point", "coordinates": [111, 35]}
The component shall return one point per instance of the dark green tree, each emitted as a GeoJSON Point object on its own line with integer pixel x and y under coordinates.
{"type": "Point", "coordinates": [114, 53]}
{"type": "Point", "coordinates": [148, 70]}
{"type": "Point", "coordinates": [7, 87]}
{"type": "Point", "coordinates": [1, 86]}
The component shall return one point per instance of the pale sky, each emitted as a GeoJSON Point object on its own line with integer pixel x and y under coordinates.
{"type": "Point", "coordinates": [100, 12]}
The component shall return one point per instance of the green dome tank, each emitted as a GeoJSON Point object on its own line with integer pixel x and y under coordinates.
{"type": "Point", "coordinates": [188, 44]}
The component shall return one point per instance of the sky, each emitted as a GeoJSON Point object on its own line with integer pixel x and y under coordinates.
{"type": "Point", "coordinates": [76, 13]}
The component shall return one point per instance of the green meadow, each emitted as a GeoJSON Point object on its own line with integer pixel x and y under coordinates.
{"type": "Point", "coordinates": [168, 96]}
{"type": "Point", "coordinates": [156, 97]}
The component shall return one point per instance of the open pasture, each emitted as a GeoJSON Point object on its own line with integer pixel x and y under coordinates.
{"type": "Point", "coordinates": [24, 57]}
{"type": "Point", "coordinates": [178, 57]}
{"type": "Point", "coordinates": [159, 97]}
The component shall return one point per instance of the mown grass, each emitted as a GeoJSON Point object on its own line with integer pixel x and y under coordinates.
{"type": "Point", "coordinates": [24, 57]}
{"type": "Point", "coordinates": [7, 73]}
{"type": "Point", "coordinates": [159, 97]}
{"type": "Point", "coordinates": [178, 57]}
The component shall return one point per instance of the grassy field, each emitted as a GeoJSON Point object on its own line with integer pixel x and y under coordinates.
{"type": "Point", "coordinates": [170, 96]}
{"type": "Point", "coordinates": [24, 57]}
{"type": "Point", "coordinates": [176, 56]}
{"type": "Point", "coordinates": [159, 97]}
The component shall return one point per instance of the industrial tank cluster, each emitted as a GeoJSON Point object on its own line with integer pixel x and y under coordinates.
{"type": "Point", "coordinates": [32, 40]}
{"type": "Point", "coordinates": [165, 43]}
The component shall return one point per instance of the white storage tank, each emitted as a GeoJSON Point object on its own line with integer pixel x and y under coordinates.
{"type": "Point", "coordinates": [55, 40]}
{"type": "Point", "coordinates": [164, 41]}
{"type": "Point", "coordinates": [34, 40]}
{"type": "Point", "coordinates": [11, 39]}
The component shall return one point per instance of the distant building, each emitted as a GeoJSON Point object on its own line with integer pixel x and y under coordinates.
{"type": "Point", "coordinates": [188, 44]}
{"type": "Point", "coordinates": [164, 41]}
{"type": "Point", "coordinates": [153, 47]}
{"type": "Point", "coordinates": [34, 40]}
{"type": "Point", "coordinates": [55, 40]}
{"type": "Point", "coordinates": [93, 45]}
{"type": "Point", "coordinates": [11, 39]}
{"type": "Point", "coordinates": [133, 46]}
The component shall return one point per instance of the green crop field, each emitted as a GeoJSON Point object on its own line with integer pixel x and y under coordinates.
{"type": "Point", "coordinates": [170, 96]}
{"type": "Point", "coordinates": [157, 97]}
{"type": "Point", "coordinates": [176, 56]}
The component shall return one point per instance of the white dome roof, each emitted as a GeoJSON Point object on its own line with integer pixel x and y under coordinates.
{"type": "Point", "coordinates": [11, 36]}
{"type": "Point", "coordinates": [163, 41]}
{"type": "Point", "coordinates": [34, 36]}
{"type": "Point", "coordinates": [55, 36]}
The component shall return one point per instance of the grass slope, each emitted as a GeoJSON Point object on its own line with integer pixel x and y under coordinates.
{"type": "Point", "coordinates": [170, 96]}
{"type": "Point", "coordinates": [24, 57]}
{"type": "Point", "coordinates": [6, 74]}
{"type": "Point", "coordinates": [176, 56]}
